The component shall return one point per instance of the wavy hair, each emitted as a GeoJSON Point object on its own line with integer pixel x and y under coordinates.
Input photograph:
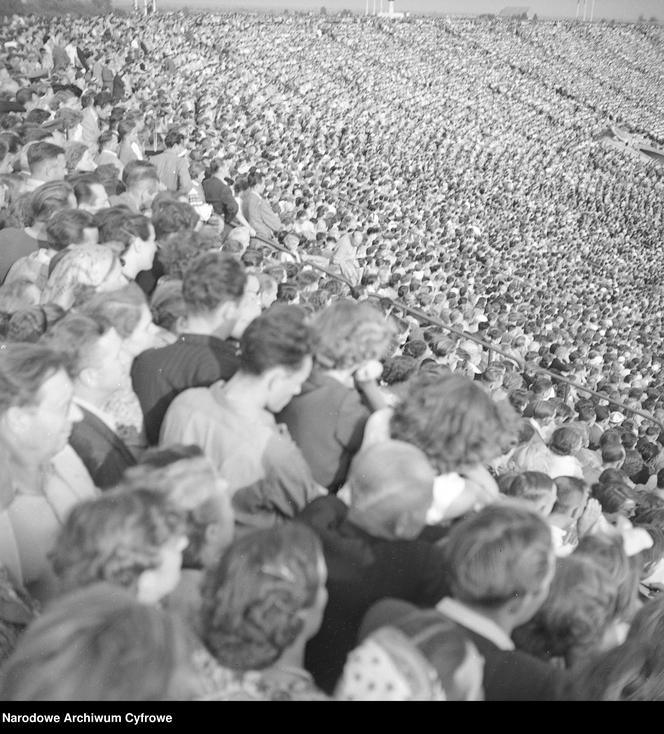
{"type": "Point", "coordinates": [454, 421]}
{"type": "Point", "coordinates": [252, 600]}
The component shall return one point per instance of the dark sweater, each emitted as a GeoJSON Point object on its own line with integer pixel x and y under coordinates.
{"type": "Point", "coordinates": [158, 375]}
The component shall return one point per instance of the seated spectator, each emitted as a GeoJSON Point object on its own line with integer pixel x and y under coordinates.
{"type": "Point", "coordinates": [565, 443]}
{"type": "Point", "coordinates": [42, 480]}
{"type": "Point", "coordinates": [47, 163]}
{"type": "Point", "coordinates": [262, 603]}
{"type": "Point", "coordinates": [65, 228]}
{"type": "Point", "coordinates": [234, 422]}
{"type": "Point", "coordinates": [98, 367]}
{"type": "Point", "coordinates": [348, 339]}
{"type": "Point", "coordinates": [500, 564]}
{"type": "Point", "coordinates": [372, 548]}
{"type": "Point", "coordinates": [30, 324]}
{"type": "Point", "coordinates": [90, 193]}
{"type": "Point", "coordinates": [141, 183]}
{"type": "Point", "coordinates": [101, 644]}
{"type": "Point", "coordinates": [212, 289]}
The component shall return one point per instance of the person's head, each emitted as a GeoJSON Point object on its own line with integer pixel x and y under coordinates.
{"type": "Point", "coordinates": [410, 655]}
{"type": "Point", "coordinates": [391, 489]}
{"type": "Point", "coordinates": [543, 411]}
{"type": "Point", "coordinates": [213, 288]}
{"type": "Point", "coordinates": [613, 454]}
{"type": "Point", "coordinates": [130, 539]}
{"type": "Point", "coordinates": [171, 216]}
{"type": "Point", "coordinates": [78, 158]}
{"type": "Point", "coordinates": [71, 227]}
{"type": "Point", "coordinates": [96, 361]}
{"type": "Point", "coordinates": [453, 420]}
{"type": "Point", "coordinates": [275, 349]}
{"type": "Point", "coordinates": [167, 306]}
{"type": "Point", "coordinates": [267, 594]}
{"type": "Point", "coordinates": [90, 193]}
{"type": "Point", "coordinates": [615, 499]}
{"type": "Point", "coordinates": [566, 441]}
{"type": "Point", "coordinates": [31, 323]}
{"type": "Point", "coordinates": [575, 619]}
{"type": "Point", "coordinates": [141, 181]}
{"type": "Point", "coordinates": [48, 199]}
{"type": "Point", "coordinates": [101, 644]}
{"type": "Point", "coordinates": [633, 671]}
{"type": "Point", "coordinates": [108, 140]}
{"type": "Point", "coordinates": [174, 139]}
{"type": "Point", "coordinates": [500, 562]}
{"type": "Point", "coordinates": [571, 497]}
{"type": "Point", "coordinates": [609, 553]}
{"type": "Point", "coordinates": [534, 488]}
{"type": "Point", "coordinates": [82, 271]}
{"type": "Point", "coordinates": [47, 161]}
{"type": "Point", "coordinates": [137, 235]}
{"type": "Point", "coordinates": [127, 310]}
{"type": "Point", "coordinates": [36, 408]}
{"type": "Point", "coordinates": [348, 334]}
{"type": "Point", "coordinates": [191, 483]}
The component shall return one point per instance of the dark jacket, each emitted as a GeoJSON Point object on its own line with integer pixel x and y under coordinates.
{"type": "Point", "coordinates": [103, 452]}
{"type": "Point", "coordinates": [158, 375]}
{"type": "Point", "coordinates": [361, 570]}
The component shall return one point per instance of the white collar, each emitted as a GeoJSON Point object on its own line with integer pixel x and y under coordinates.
{"type": "Point", "coordinates": [465, 616]}
{"type": "Point", "coordinates": [98, 412]}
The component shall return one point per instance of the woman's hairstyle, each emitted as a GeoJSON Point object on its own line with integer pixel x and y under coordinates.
{"type": "Point", "coordinates": [279, 337]}
{"type": "Point", "coordinates": [80, 271]}
{"type": "Point", "coordinates": [575, 615]}
{"type": "Point", "coordinates": [115, 538]}
{"type": "Point", "coordinates": [73, 154]}
{"type": "Point", "coordinates": [501, 553]}
{"type": "Point", "coordinates": [453, 420]}
{"type": "Point", "coordinates": [609, 553]}
{"type": "Point", "coordinates": [30, 324]}
{"type": "Point", "coordinates": [633, 671]}
{"type": "Point", "coordinates": [348, 333]}
{"type": "Point", "coordinates": [253, 599]}
{"type": "Point", "coordinates": [67, 227]}
{"type": "Point", "coordinates": [122, 308]}
{"type": "Point", "coordinates": [17, 295]}
{"type": "Point", "coordinates": [101, 644]}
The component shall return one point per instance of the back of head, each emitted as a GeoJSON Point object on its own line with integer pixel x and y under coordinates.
{"type": "Point", "coordinates": [42, 152]}
{"type": "Point", "coordinates": [137, 172]}
{"type": "Point", "coordinates": [535, 488]}
{"type": "Point", "coordinates": [212, 280]}
{"type": "Point", "coordinates": [253, 599]}
{"type": "Point", "coordinates": [565, 441]}
{"type": "Point", "coordinates": [67, 227]}
{"type": "Point", "coordinates": [391, 486]}
{"type": "Point", "coordinates": [279, 337]}
{"type": "Point", "coordinates": [24, 368]}
{"type": "Point", "coordinates": [115, 538]}
{"type": "Point", "coordinates": [500, 554]}
{"type": "Point", "coordinates": [100, 644]}
{"type": "Point", "coordinates": [576, 614]}
{"type": "Point", "coordinates": [453, 420]}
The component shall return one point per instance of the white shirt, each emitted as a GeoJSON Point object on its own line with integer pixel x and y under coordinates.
{"type": "Point", "coordinates": [465, 616]}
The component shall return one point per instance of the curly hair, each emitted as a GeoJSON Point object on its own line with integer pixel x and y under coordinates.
{"type": "Point", "coordinates": [252, 599]}
{"type": "Point", "coordinates": [115, 538]}
{"type": "Point", "coordinates": [348, 333]}
{"type": "Point", "coordinates": [453, 420]}
{"type": "Point", "coordinates": [212, 279]}
{"type": "Point", "coordinates": [577, 612]}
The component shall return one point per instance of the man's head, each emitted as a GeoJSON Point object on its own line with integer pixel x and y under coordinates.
{"type": "Point", "coordinates": [90, 193]}
{"type": "Point", "coordinates": [212, 288]}
{"type": "Point", "coordinates": [391, 489]}
{"type": "Point", "coordinates": [71, 227]}
{"type": "Point", "coordinates": [142, 181]}
{"type": "Point", "coordinates": [501, 561]}
{"type": "Point", "coordinates": [36, 409]}
{"type": "Point", "coordinates": [97, 363]}
{"type": "Point", "coordinates": [47, 161]}
{"type": "Point", "coordinates": [276, 347]}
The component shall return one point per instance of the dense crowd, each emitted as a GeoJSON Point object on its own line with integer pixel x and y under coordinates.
{"type": "Point", "coordinates": [330, 359]}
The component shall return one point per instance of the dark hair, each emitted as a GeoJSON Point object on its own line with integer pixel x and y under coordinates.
{"type": "Point", "coordinates": [212, 279]}
{"type": "Point", "coordinates": [30, 324]}
{"type": "Point", "coordinates": [41, 151]}
{"type": "Point", "coordinates": [66, 227]}
{"type": "Point", "coordinates": [24, 368]}
{"type": "Point", "coordinates": [278, 337]}
{"type": "Point", "coordinates": [170, 216]}
{"type": "Point", "coordinates": [137, 171]}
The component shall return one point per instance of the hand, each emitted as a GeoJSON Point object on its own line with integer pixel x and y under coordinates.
{"type": "Point", "coordinates": [589, 518]}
